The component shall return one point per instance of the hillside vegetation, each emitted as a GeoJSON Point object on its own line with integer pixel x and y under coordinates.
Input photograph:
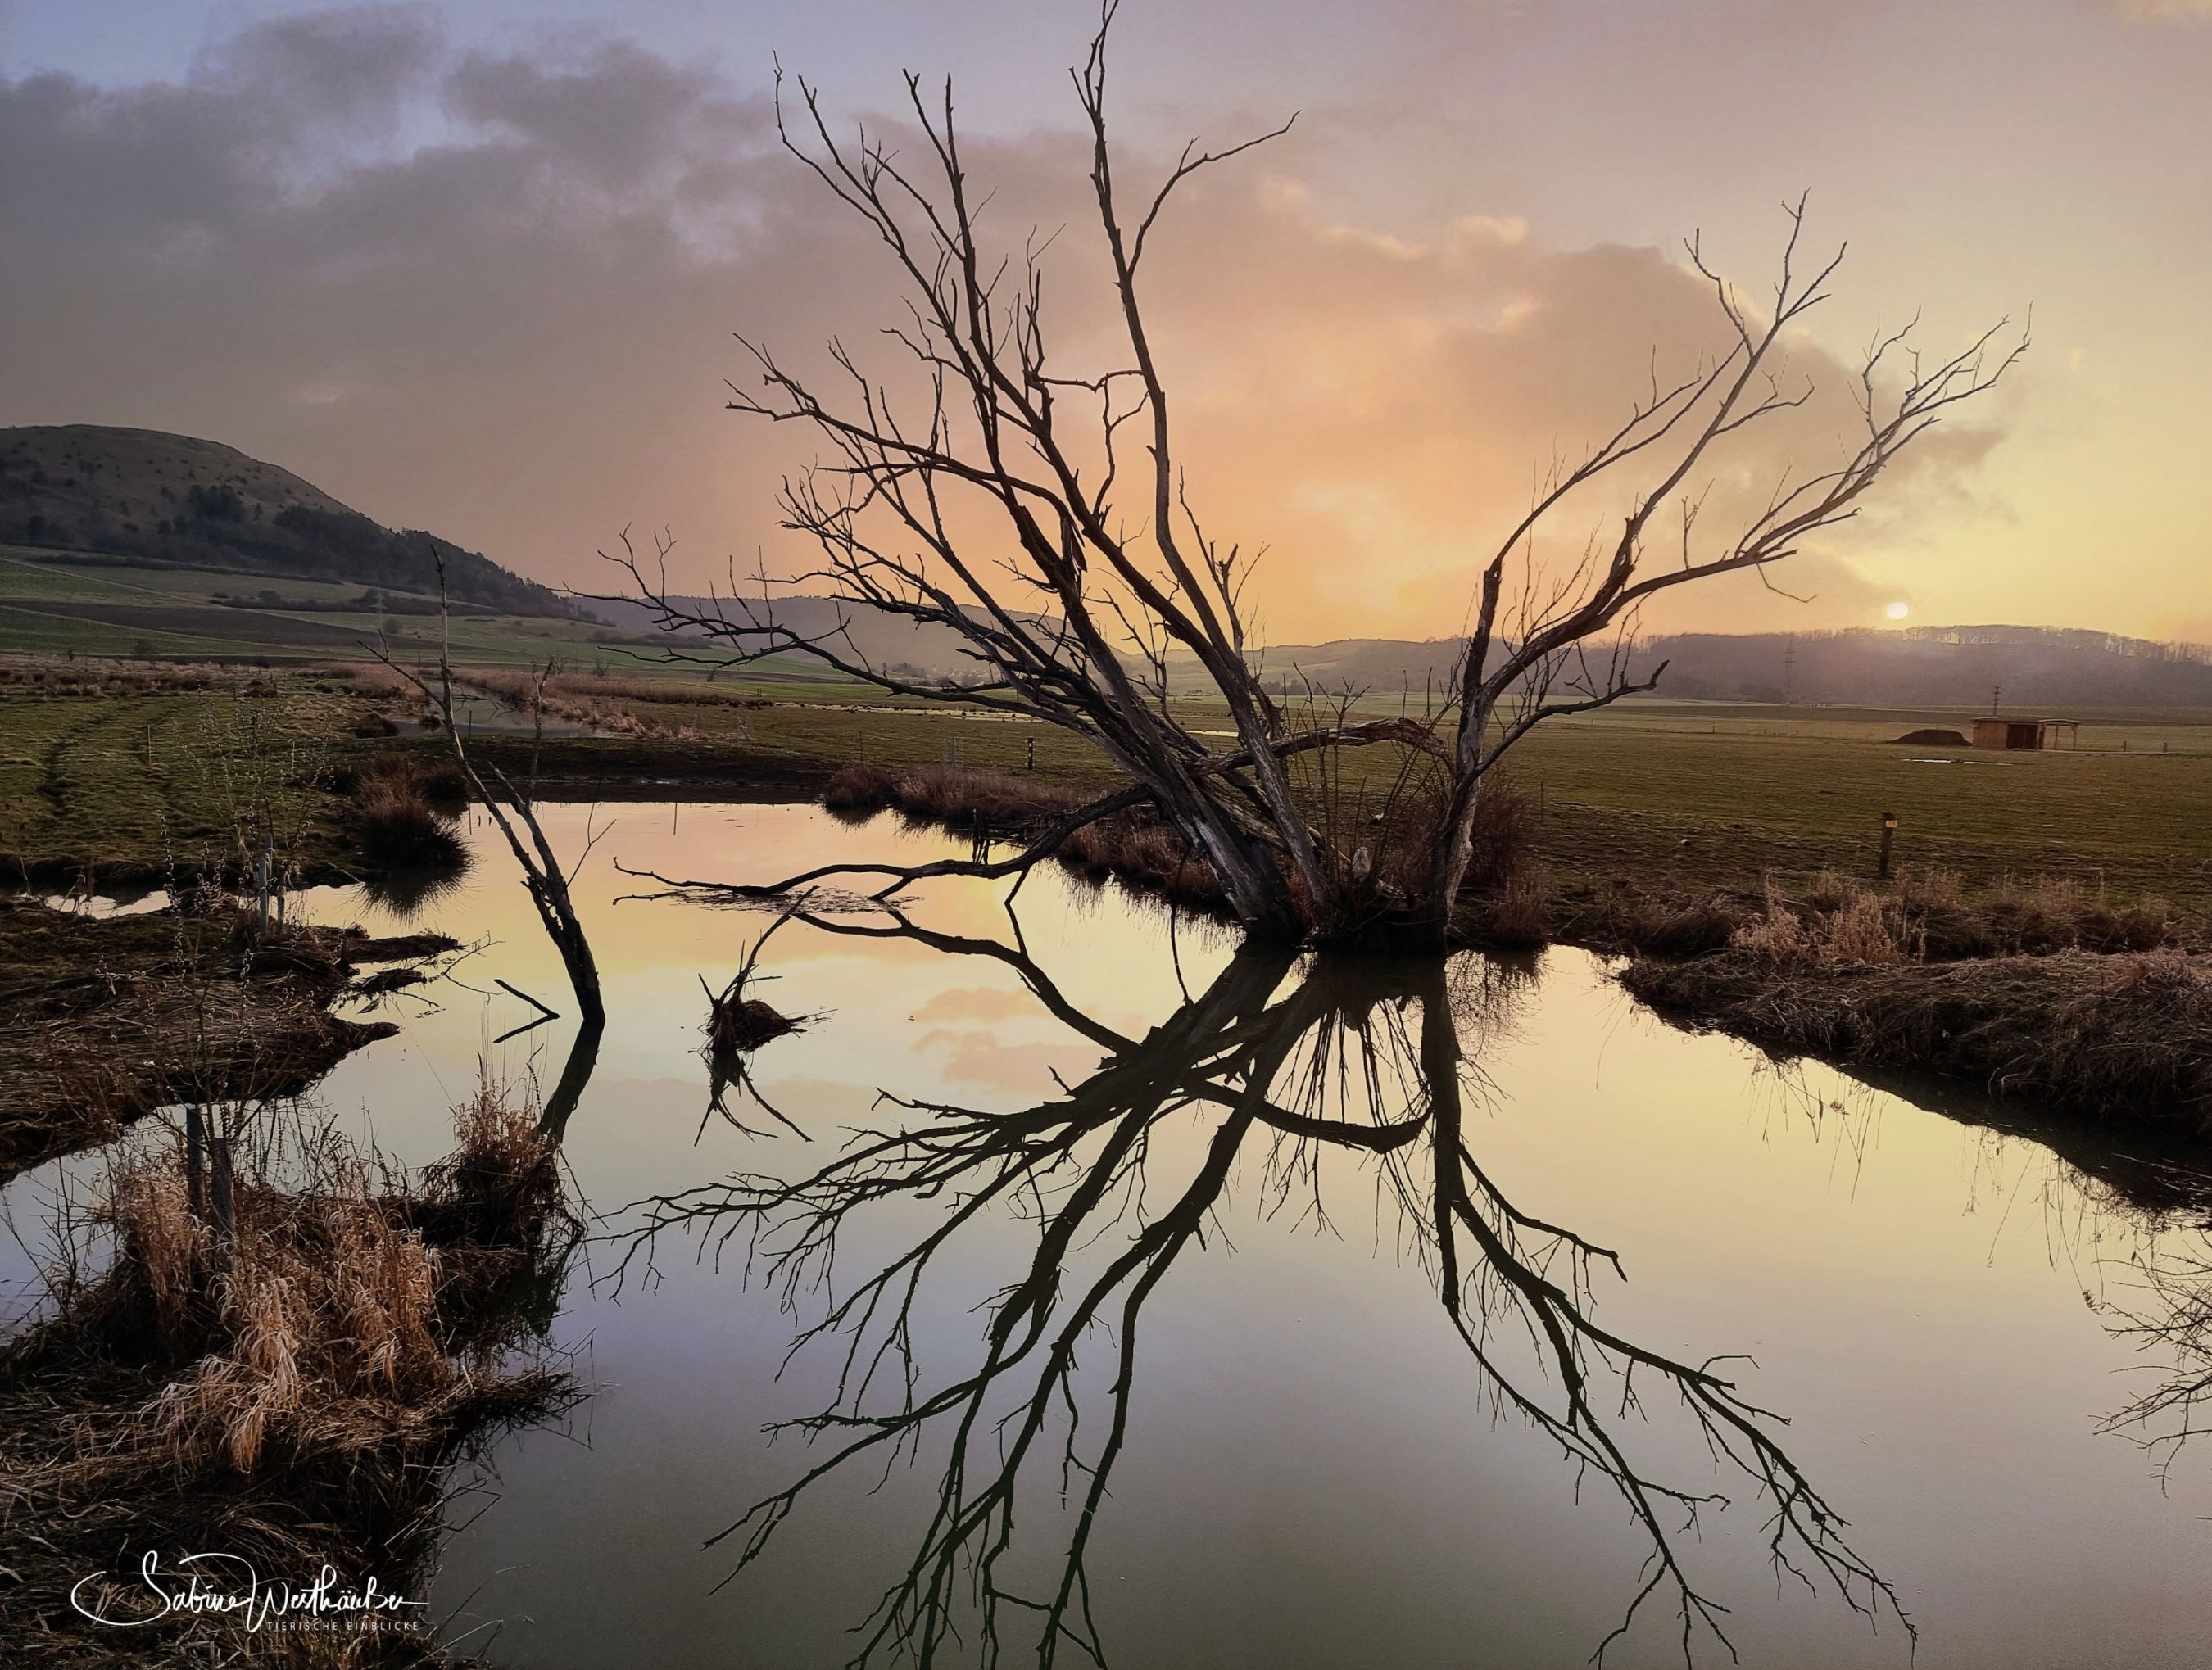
{"type": "Point", "coordinates": [144, 496]}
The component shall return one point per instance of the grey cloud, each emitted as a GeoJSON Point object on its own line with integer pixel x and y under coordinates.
{"type": "Point", "coordinates": [516, 334]}
{"type": "Point", "coordinates": [621, 115]}
{"type": "Point", "coordinates": [336, 67]}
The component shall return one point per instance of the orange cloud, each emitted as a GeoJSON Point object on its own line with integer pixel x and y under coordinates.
{"type": "Point", "coordinates": [515, 335]}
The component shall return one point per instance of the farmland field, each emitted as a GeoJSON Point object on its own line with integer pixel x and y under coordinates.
{"type": "Point", "coordinates": [1681, 795]}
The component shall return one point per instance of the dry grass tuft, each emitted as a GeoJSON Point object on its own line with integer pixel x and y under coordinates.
{"type": "Point", "coordinates": [290, 1392]}
{"type": "Point", "coordinates": [1857, 927]}
{"type": "Point", "coordinates": [403, 810]}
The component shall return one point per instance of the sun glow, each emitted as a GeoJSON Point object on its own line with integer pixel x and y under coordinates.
{"type": "Point", "coordinates": [1897, 610]}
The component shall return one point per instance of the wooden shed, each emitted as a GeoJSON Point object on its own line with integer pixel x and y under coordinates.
{"type": "Point", "coordinates": [2024, 733]}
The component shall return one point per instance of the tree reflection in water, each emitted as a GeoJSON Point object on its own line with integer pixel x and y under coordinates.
{"type": "Point", "coordinates": [2133, 1208]}
{"type": "Point", "coordinates": [1281, 1060]}
{"type": "Point", "coordinates": [2169, 1319]}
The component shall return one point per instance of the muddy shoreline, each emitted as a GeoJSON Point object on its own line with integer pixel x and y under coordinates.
{"type": "Point", "coordinates": [110, 1017]}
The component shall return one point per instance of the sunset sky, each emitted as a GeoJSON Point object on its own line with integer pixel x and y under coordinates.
{"type": "Point", "coordinates": [475, 267]}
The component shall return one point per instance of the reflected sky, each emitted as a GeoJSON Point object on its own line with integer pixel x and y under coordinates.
{"type": "Point", "coordinates": [1313, 1472]}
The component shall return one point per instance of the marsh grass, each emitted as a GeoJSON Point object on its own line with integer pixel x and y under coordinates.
{"type": "Point", "coordinates": [291, 1391]}
{"type": "Point", "coordinates": [2122, 1034]}
{"type": "Point", "coordinates": [1383, 845]}
{"type": "Point", "coordinates": [1926, 916]}
{"type": "Point", "coordinates": [403, 811]}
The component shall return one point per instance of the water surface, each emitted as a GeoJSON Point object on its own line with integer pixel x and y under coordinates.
{"type": "Point", "coordinates": [1331, 1433]}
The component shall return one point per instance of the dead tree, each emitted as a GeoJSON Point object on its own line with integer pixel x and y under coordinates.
{"type": "Point", "coordinates": [1041, 513]}
{"type": "Point", "coordinates": [516, 816]}
{"type": "Point", "coordinates": [1529, 654]}
{"type": "Point", "coordinates": [1068, 612]}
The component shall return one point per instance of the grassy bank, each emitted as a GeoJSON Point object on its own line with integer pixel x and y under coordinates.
{"type": "Point", "coordinates": [285, 1384]}
{"type": "Point", "coordinates": [2124, 1038]}
{"type": "Point", "coordinates": [2046, 994]}
{"type": "Point", "coordinates": [132, 776]}
{"type": "Point", "coordinates": [125, 772]}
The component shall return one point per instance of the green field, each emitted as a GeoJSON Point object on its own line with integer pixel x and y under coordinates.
{"type": "Point", "coordinates": [52, 608]}
{"type": "Point", "coordinates": [143, 785]}
{"type": "Point", "coordinates": [1701, 794]}
{"type": "Point", "coordinates": [1679, 794]}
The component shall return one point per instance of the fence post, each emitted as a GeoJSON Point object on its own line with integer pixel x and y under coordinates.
{"type": "Point", "coordinates": [261, 867]}
{"type": "Point", "coordinates": [195, 1160]}
{"type": "Point", "coordinates": [1888, 835]}
{"type": "Point", "coordinates": [225, 1203]}
{"type": "Point", "coordinates": [1029, 763]}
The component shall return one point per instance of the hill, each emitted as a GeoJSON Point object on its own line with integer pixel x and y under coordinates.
{"type": "Point", "coordinates": [2020, 668]}
{"type": "Point", "coordinates": [152, 498]}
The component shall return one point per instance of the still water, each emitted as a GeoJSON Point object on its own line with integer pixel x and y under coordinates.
{"type": "Point", "coordinates": [1198, 1310]}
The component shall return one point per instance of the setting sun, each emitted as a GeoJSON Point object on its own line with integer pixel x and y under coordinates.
{"type": "Point", "coordinates": [1897, 610]}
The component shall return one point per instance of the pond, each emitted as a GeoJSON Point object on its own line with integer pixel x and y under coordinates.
{"type": "Point", "coordinates": [1073, 1277]}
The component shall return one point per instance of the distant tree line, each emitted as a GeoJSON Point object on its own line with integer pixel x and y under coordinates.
{"type": "Point", "coordinates": [2015, 667]}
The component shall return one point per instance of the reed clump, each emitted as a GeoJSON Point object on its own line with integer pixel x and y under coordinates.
{"type": "Point", "coordinates": [287, 1387]}
{"type": "Point", "coordinates": [736, 1021]}
{"type": "Point", "coordinates": [403, 810]}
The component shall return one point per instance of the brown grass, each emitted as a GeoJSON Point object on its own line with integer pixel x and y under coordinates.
{"type": "Point", "coordinates": [564, 698]}
{"type": "Point", "coordinates": [2121, 1036]}
{"type": "Point", "coordinates": [403, 810]}
{"type": "Point", "coordinates": [291, 1394]}
{"type": "Point", "coordinates": [955, 796]}
{"type": "Point", "coordinates": [1383, 848]}
{"type": "Point", "coordinates": [1924, 915]}
{"type": "Point", "coordinates": [1133, 847]}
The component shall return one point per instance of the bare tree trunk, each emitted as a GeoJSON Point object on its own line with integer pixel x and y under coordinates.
{"type": "Point", "coordinates": [542, 874]}
{"type": "Point", "coordinates": [976, 424]}
{"type": "Point", "coordinates": [1455, 838]}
